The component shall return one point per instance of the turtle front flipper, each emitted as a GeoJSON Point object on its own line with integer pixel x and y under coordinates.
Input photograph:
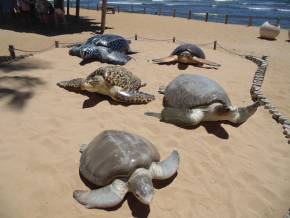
{"type": "Point", "coordinates": [169, 59]}
{"type": "Point", "coordinates": [134, 97]}
{"type": "Point", "coordinates": [166, 168]}
{"type": "Point", "coordinates": [197, 60]}
{"type": "Point", "coordinates": [105, 197]}
{"type": "Point", "coordinates": [71, 84]}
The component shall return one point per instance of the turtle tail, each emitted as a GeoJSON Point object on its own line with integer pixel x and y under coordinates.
{"type": "Point", "coordinates": [75, 84]}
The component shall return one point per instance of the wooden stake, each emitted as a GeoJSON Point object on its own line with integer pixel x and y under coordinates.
{"type": "Point", "coordinates": [250, 21]}
{"type": "Point", "coordinates": [136, 37]}
{"type": "Point", "coordinates": [226, 19]}
{"type": "Point", "coordinates": [189, 14]}
{"type": "Point", "coordinates": [12, 51]}
{"type": "Point", "coordinates": [173, 39]}
{"type": "Point", "coordinates": [67, 8]}
{"type": "Point", "coordinates": [214, 45]}
{"type": "Point", "coordinates": [103, 18]}
{"type": "Point", "coordinates": [206, 17]}
{"type": "Point", "coordinates": [56, 43]}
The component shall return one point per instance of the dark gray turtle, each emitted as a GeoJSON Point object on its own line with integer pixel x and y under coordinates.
{"type": "Point", "coordinates": [112, 49]}
{"type": "Point", "coordinates": [191, 99]}
{"type": "Point", "coordinates": [114, 81]}
{"type": "Point", "coordinates": [121, 162]}
{"type": "Point", "coordinates": [187, 54]}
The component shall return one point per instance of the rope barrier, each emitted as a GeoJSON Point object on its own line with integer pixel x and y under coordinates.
{"type": "Point", "coordinates": [46, 49]}
{"type": "Point", "coordinates": [142, 38]}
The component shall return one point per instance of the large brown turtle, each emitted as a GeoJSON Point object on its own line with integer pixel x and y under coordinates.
{"type": "Point", "coordinates": [191, 99]}
{"type": "Point", "coordinates": [187, 54]}
{"type": "Point", "coordinates": [114, 81]}
{"type": "Point", "coordinates": [121, 162]}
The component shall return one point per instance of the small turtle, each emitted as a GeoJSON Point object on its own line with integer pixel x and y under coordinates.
{"type": "Point", "coordinates": [120, 162]}
{"type": "Point", "coordinates": [114, 81]}
{"type": "Point", "coordinates": [112, 49]}
{"type": "Point", "coordinates": [191, 99]}
{"type": "Point", "coordinates": [187, 54]}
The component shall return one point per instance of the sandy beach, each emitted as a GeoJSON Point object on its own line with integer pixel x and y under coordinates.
{"type": "Point", "coordinates": [225, 171]}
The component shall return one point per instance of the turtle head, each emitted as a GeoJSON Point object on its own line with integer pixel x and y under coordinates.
{"type": "Point", "coordinates": [140, 184]}
{"type": "Point", "coordinates": [244, 113]}
{"type": "Point", "coordinates": [75, 51]}
{"type": "Point", "coordinates": [185, 57]}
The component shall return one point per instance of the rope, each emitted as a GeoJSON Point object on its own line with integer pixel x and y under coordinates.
{"type": "Point", "coordinates": [46, 49]}
{"type": "Point", "coordinates": [230, 51]}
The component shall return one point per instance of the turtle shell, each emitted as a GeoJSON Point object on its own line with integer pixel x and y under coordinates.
{"type": "Point", "coordinates": [193, 49]}
{"type": "Point", "coordinates": [116, 154]}
{"type": "Point", "coordinates": [192, 91]}
{"type": "Point", "coordinates": [114, 42]}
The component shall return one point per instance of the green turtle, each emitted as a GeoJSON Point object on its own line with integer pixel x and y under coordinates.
{"type": "Point", "coordinates": [191, 99]}
{"type": "Point", "coordinates": [187, 54]}
{"type": "Point", "coordinates": [120, 162]}
{"type": "Point", "coordinates": [114, 81]}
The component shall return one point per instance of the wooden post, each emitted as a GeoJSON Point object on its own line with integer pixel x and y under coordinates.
{"type": "Point", "coordinates": [160, 11]}
{"type": "Point", "coordinates": [56, 43]}
{"type": "Point", "coordinates": [144, 11]}
{"type": "Point", "coordinates": [206, 17]}
{"type": "Point", "coordinates": [77, 9]}
{"type": "Point", "coordinates": [104, 12]}
{"type": "Point", "coordinates": [189, 15]}
{"type": "Point", "coordinates": [67, 7]}
{"type": "Point", "coordinates": [226, 19]}
{"type": "Point", "coordinates": [214, 45]}
{"type": "Point", "coordinates": [12, 52]}
{"type": "Point", "coordinates": [250, 21]}
{"type": "Point", "coordinates": [174, 12]}
{"type": "Point", "coordinates": [136, 37]}
{"type": "Point", "coordinates": [173, 40]}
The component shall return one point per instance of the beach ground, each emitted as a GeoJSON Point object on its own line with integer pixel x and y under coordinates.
{"type": "Point", "coordinates": [225, 171]}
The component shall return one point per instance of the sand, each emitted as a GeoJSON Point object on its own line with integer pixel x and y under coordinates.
{"type": "Point", "coordinates": [224, 172]}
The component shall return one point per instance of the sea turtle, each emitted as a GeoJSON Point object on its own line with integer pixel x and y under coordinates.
{"type": "Point", "coordinates": [120, 162]}
{"type": "Point", "coordinates": [114, 81]}
{"type": "Point", "coordinates": [112, 49]}
{"type": "Point", "coordinates": [191, 99]}
{"type": "Point", "coordinates": [187, 54]}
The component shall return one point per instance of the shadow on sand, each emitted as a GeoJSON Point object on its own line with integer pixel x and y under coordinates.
{"type": "Point", "coordinates": [83, 24]}
{"type": "Point", "coordinates": [24, 65]}
{"type": "Point", "coordinates": [95, 98]}
{"type": "Point", "coordinates": [259, 37]}
{"type": "Point", "coordinates": [19, 89]}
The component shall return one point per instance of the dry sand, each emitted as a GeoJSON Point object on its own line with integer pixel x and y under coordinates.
{"type": "Point", "coordinates": [225, 171]}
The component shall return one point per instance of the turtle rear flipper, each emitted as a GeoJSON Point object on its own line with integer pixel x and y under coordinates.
{"type": "Point", "coordinates": [133, 97]}
{"type": "Point", "coordinates": [118, 58]}
{"type": "Point", "coordinates": [75, 84]}
{"type": "Point", "coordinates": [169, 59]}
{"type": "Point", "coordinates": [204, 61]}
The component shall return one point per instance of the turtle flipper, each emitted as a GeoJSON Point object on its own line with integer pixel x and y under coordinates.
{"type": "Point", "coordinates": [166, 168]}
{"type": "Point", "coordinates": [204, 61]}
{"type": "Point", "coordinates": [162, 89]}
{"type": "Point", "coordinates": [169, 59]}
{"type": "Point", "coordinates": [71, 84]}
{"type": "Point", "coordinates": [118, 58]}
{"type": "Point", "coordinates": [134, 97]}
{"type": "Point", "coordinates": [105, 197]}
